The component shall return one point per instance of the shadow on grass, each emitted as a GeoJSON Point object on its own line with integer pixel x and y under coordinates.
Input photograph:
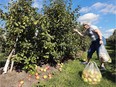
{"type": "Point", "coordinates": [112, 55]}
{"type": "Point", "coordinates": [80, 73]}
{"type": "Point", "coordinates": [108, 75]}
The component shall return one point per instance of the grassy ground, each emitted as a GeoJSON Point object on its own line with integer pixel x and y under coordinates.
{"type": "Point", "coordinates": [71, 77]}
{"type": "Point", "coordinates": [72, 71]}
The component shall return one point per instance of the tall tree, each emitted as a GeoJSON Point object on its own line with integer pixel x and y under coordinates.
{"type": "Point", "coordinates": [61, 23]}
{"type": "Point", "coordinates": [21, 27]}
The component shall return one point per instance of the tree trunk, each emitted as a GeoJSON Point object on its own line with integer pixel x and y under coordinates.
{"type": "Point", "coordinates": [12, 63]}
{"type": "Point", "coordinates": [7, 62]}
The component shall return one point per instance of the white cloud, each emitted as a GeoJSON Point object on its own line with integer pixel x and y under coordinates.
{"type": "Point", "coordinates": [89, 18]}
{"type": "Point", "coordinates": [109, 9]}
{"type": "Point", "coordinates": [108, 32]}
{"type": "Point", "coordinates": [85, 10]}
{"type": "Point", "coordinates": [100, 7]}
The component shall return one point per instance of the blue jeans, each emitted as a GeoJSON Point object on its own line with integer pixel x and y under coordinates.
{"type": "Point", "coordinates": [93, 47]}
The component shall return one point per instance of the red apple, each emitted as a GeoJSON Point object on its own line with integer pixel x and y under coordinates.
{"type": "Point", "coordinates": [37, 77]}
{"type": "Point", "coordinates": [48, 67]}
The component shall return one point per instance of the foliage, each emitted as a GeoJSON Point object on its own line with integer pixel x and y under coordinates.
{"type": "Point", "coordinates": [61, 25]}
{"type": "Point", "coordinates": [2, 40]}
{"type": "Point", "coordinates": [112, 38]}
{"type": "Point", "coordinates": [20, 27]}
{"type": "Point", "coordinates": [83, 42]}
{"type": "Point", "coordinates": [42, 38]}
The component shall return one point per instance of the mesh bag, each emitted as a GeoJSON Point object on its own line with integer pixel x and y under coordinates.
{"type": "Point", "coordinates": [103, 54]}
{"type": "Point", "coordinates": [91, 74]}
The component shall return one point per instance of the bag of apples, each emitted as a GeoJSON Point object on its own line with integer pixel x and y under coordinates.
{"type": "Point", "coordinates": [103, 54]}
{"type": "Point", "coordinates": [91, 74]}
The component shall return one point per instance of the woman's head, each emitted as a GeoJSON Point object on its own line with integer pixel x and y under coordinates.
{"type": "Point", "coordinates": [86, 26]}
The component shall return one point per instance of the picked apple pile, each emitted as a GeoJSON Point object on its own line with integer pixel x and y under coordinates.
{"type": "Point", "coordinates": [91, 76]}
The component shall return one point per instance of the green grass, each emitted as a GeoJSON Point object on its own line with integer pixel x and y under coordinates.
{"type": "Point", "coordinates": [71, 77]}
{"type": "Point", "coordinates": [72, 71]}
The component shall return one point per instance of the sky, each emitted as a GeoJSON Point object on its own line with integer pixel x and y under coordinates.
{"type": "Point", "coordinates": [100, 13]}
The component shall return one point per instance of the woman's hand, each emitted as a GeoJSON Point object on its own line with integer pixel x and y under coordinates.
{"type": "Point", "coordinates": [75, 30]}
{"type": "Point", "coordinates": [78, 32]}
{"type": "Point", "coordinates": [101, 42]}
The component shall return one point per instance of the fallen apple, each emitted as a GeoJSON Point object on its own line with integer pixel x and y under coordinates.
{"type": "Point", "coordinates": [58, 64]}
{"type": "Point", "coordinates": [29, 77]}
{"type": "Point", "coordinates": [41, 69]}
{"type": "Point", "coordinates": [21, 82]}
{"type": "Point", "coordinates": [36, 74]}
{"type": "Point", "coordinates": [50, 76]}
{"type": "Point", "coordinates": [61, 65]}
{"type": "Point", "coordinates": [44, 70]}
{"type": "Point", "coordinates": [37, 77]}
{"type": "Point", "coordinates": [48, 67]}
{"type": "Point", "coordinates": [45, 76]}
{"type": "Point", "coordinates": [60, 69]}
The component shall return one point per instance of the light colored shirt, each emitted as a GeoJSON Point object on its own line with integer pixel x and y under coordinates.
{"type": "Point", "coordinates": [90, 32]}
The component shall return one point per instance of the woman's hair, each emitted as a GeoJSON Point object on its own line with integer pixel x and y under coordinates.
{"type": "Point", "coordinates": [84, 24]}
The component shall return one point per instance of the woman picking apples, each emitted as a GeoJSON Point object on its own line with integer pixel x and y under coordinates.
{"type": "Point", "coordinates": [97, 40]}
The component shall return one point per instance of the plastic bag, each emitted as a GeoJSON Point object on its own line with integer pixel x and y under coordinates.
{"type": "Point", "coordinates": [103, 54]}
{"type": "Point", "coordinates": [91, 74]}
{"type": "Point", "coordinates": [104, 40]}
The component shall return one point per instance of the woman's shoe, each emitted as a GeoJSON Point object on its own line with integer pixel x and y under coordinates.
{"type": "Point", "coordinates": [85, 63]}
{"type": "Point", "coordinates": [102, 68]}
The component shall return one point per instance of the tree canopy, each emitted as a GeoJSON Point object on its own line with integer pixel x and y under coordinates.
{"type": "Point", "coordinates": [42, 37]}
